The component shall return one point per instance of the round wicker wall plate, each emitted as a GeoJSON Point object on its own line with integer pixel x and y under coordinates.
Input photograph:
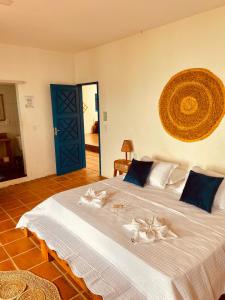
{"type": "Point", "coordinates": [192, 104]}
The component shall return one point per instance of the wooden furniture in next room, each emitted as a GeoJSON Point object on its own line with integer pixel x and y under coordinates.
{"type": "Point", "coordinates": [121, 166]}
{"type": "Point", "coordinates": [6, 143]}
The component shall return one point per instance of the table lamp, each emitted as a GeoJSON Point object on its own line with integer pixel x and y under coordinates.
{"type": "Point", "coordinates": [127, 147]}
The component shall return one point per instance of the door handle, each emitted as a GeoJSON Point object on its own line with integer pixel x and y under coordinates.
{"type": "Point", "coordinates": [56, 130]}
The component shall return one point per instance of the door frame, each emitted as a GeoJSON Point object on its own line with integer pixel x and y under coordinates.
{"type": "Point", "coordinates": [99, 121]}
{"type": "Point", "coordinates": [53, 88]}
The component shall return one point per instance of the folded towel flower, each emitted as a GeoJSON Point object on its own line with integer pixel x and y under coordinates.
{"type": "Point", "coordinates": [149, 230]}
{"type": "Point", "coordinates": [93, 198]}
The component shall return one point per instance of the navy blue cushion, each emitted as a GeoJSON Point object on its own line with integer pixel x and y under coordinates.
{"type": "Point", "coordinates": [138, 172]}
{"type": "Point", "coordinates": [200, 190]}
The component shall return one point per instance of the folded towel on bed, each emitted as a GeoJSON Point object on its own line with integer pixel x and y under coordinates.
{"type": "Point", "coordinates": [93, 198]}
{"type": "Point", "coordinates": [149, 230]}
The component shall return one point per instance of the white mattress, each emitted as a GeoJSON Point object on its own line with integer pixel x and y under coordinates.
{"type": "Point", "coordinates": [189, 267]}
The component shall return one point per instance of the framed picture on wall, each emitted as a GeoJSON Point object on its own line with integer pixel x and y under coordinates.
{"type": "Point", "coordinates": [2, 108]}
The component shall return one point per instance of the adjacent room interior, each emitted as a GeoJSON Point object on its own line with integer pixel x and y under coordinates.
{"type": "Point", "coordinates": [11, 153]}
{"type": "Point", "coordinates": [91, 125]}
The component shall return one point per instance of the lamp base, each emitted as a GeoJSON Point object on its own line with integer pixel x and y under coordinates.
{"type": "Point", "coordinates": [126, 156]}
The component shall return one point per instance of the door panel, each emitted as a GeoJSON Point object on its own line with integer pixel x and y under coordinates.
{"type": "Point", "coordinates": [68, 128]}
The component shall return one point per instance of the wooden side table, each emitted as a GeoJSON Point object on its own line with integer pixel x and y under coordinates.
{"type": "Point", "coordinates": [121, 165]}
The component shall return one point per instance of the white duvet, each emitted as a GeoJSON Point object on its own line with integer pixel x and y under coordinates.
{"type": "Point", "coordinates": [97, 247]}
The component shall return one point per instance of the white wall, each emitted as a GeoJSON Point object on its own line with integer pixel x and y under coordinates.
{"type": "Point", "coordinates": [132, 73]}
{"type": "Point", "coordinates": [90, 115]}
{"type": "Point", "coordinates": [38, 68]}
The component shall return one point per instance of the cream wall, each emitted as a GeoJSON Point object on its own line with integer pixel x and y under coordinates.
{"type": "Point", "coordinates": [132, 73]}
{"type": "Point", "coordinates": [38, 68]}
{"type": "Point", "coordinates": [90, 115]}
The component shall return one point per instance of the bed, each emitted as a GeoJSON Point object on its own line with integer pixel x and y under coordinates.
{"type": "Point", "coordinates": [96, 247]}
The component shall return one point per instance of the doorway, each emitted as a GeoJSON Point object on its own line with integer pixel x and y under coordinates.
{"type": "Point", "coordinates": [75, 110]}
{"type": "Point", "coordinates": [90, 99]}
{"type": "Point", "coordinates": [11, 153]}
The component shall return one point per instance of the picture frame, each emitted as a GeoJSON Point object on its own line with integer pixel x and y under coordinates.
{"type": "Point", "coordinates": [2, 108]}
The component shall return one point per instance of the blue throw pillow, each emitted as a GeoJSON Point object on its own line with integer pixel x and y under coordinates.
{"type": "Point", "coordinates": [138, 172]}
{"type": "Point", "coordinates": [200, 190]}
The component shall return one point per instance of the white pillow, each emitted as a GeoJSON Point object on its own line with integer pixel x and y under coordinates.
{"type": "Point", "coordinates": [219, 200]}
{"type": "Point", "coordinates": [160, 172]}
{"type": "Point", "coordinates": [178, 187]}
{"type": "Point", "coordinates": [177, 175]}
{"type": "Point", "coordinates": [146, 158]}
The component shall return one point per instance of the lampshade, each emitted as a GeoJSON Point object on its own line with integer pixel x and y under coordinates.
{"type": "Point", "coordinates": [127, 146]}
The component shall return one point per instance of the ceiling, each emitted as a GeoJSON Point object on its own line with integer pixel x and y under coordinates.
{"type": "Point", "coordinates": [76, 25]}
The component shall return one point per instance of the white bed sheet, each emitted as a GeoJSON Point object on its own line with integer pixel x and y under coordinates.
{"type": "Point", "coordinates": [189, 267]}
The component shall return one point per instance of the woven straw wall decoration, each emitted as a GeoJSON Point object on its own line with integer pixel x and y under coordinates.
{"type": "Point", "coordinates": [192, 104]}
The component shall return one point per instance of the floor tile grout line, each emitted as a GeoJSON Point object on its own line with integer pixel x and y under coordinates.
{"type": "Point", "coordinates": [57, 277]}
{"type": "Point", "coordinates": [14, 256]}
{"type": "Point", "coordinates": [34, 266]}
{"type": "Point", "coordinates": [68, 279]}
{"type": "Point", "coordinates": [7, 229]}
{"type": "Point", "coordinates": [18, 206]}
{"type": "Point", "coordinates": [5, 259]}
{"type": "Point", "coordinates": [37, 265]}
{"type": "Point", "coordinates": [11, 218]}
{"type": "Point", "coordinates": [54, 263]}
{"type": "Point", "coordinates": [7, 214]}
{"type": "Point", "coordinates": [4, 221]}
{"type": "Point", "coordinates": [76, 297]}
{"type": "Point", "coordinates": [9, 208]}
{"type": "Point", "coordinates": [24, 204]}
{"type": "Point", "coordinates": [6, 244]}
{"type": "Point", "coordinates": [37, 245]}
{"type": "Point", "coordinates": [10, 258]}
{"type": "Point", "coordinates": [61, 275]}
{"type": "Point", "coordinates": [64, 275]}
{"type": "Point", "coordinates": [12, 208]}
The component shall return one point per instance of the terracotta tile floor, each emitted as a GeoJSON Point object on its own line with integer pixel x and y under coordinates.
{"type": "Point", "coordinates": [92, 160]}
{"type": "Point", "coordinates": [18, 252]}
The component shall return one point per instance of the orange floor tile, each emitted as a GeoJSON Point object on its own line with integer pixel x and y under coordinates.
{"type": "Point", "coordinates": [18, 252]}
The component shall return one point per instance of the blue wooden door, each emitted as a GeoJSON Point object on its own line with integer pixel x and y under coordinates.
{"type": "Point", "coordinates": [68, 125]}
